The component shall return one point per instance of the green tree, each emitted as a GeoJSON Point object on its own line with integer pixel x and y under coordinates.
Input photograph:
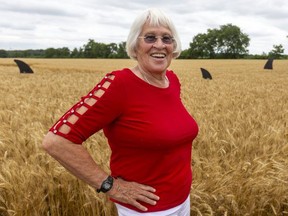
{"type": "Point", "coordinates": [3, 54]}
{"type": "Point", "coordinates": [96, 50]}
{"type": "Point", "coordinates": [112, 47]}
{"type": "Point", "coordinates": [50, 53]}
{"type": "Point", "coordinates": [57, 53]}
{"type": "Point", "coordinates": [74, 53]}
{"type": "Point", "coordinates": [226, 42]}
{"type": "Point", "coordinates": [277, 51]}
{"type": "Point", "coordinates": [199, 47]}
{"type": "Point", "coordinates": [121, 51]}
{"type": "Point", "coordinates": [184, 54]}
{"type": "Point", "coordinates": [88, 49]}
{"type": "Point", "coordinates": [232, 43]}
{"type": "Point", "coordinates": [63, 52]}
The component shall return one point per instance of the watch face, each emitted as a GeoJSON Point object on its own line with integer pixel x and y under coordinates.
{"type": "Point", "coordinates": [106, 185]}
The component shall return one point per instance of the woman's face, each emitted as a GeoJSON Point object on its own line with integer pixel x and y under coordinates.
{"type": "Point", "coordinates": [154, 57]}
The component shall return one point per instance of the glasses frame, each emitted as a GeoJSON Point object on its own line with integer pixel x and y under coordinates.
{"type": "Point", "coordinates": [156, 38]}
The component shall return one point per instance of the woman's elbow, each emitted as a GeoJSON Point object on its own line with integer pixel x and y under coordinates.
{"type": "Point", "coordinates": [48, 142]}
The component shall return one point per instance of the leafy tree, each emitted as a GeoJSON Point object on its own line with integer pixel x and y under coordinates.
{"type": "Point", "coordinates": [63, 52]}
{"type": "Point", "coordinates": [3, 54]}
{"type": "Point", "coordinates": [74, 53]}
{"type": "Point", "coordinates": [232, 42]}
{"type": "Point", "coordinates": [199, 48]}
{"type": "Point", "coordinates": [226, 42]}
{"type": "Point", "coordinates": [277, 52]}
{"type": "Point", "coordinates": [96, 50]}
{"type": "Point", "coordinates": [57, 53]}
{"type": "Point", "coordinates": [184, 54]}
{"type": "Point", "coordinates": [100, 50]}
{"type": "Point", "coordinates": [88, 49]}
{"type": "Point", "coordinates": [112, 47]}
{"type": "Point", "coordinates": [121, 52]}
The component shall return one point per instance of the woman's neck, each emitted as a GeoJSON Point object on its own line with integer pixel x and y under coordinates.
{"type": "Point", "coordinates": [159, 80]}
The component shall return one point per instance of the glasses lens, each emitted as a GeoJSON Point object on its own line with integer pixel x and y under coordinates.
{"type": "Point", "coordinates": [150, 39]}
{"type": "Point", "coordinates": [167, 39]}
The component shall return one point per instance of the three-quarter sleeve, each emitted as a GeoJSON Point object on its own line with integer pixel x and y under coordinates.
{"type": "Point", "coordinates": [94, 111]}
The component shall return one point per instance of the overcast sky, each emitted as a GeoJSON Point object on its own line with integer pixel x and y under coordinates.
{"type": "Point", "coordinates": [40, 24]}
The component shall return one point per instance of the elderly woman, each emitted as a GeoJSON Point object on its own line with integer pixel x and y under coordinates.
{"type": "Point", "coordinates": [148, 129]}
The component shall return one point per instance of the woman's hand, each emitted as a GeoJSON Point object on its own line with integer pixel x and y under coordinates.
{"type": "Point", "coordinates": [132, 192]}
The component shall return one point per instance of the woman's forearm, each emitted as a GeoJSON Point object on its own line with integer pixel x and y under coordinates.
{"type": "Point", "coordinates": [75, 158]}
{"type": "Point", "coordinates": [79, 162]}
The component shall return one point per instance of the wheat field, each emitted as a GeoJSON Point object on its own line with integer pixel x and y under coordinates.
{"type": "Point", "coordinates": [240, 157]}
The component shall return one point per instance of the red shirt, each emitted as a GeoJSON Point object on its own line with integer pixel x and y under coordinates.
{"type": "Point", "coordinates": [149, 132]}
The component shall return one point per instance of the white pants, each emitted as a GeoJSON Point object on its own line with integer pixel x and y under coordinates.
{"type": "Point", "coordinates": [180, 210]}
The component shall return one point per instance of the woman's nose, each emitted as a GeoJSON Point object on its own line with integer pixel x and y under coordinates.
{"type": "Point", "coordinates": [159, 43]}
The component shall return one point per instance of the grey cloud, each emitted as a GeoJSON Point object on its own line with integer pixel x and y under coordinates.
{"type": "Point", "coordinates": [17, 26]}
{"type": "Point", "coordinates": [110, 20]}
{"type": "Point", "coordinates": [41, 9]}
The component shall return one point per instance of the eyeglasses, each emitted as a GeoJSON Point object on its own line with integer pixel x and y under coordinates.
{"type": "Point", "coordinates": [152, 39]}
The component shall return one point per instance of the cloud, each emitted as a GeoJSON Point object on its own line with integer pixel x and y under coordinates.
{"type": "Point", "coordinates": [70, 23]}
{"type": "Point", "coordinates": [36, 7]}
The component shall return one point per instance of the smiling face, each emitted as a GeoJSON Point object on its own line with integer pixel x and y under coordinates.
{"type": "Point", "coordinates": [154, 57]}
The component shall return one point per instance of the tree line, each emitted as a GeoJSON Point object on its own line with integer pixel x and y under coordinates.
{"type": "Point", "coordinates": [226, 42]}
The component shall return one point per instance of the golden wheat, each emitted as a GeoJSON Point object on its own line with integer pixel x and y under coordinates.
{"type": "Point", "coordinates": [240, 162]}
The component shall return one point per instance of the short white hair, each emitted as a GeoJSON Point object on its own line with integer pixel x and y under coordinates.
{"type": "Point", "coordinates": [154, 17]}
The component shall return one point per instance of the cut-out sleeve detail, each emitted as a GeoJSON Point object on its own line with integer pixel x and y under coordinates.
{"type": "Point", "coordinates": [100, 107]}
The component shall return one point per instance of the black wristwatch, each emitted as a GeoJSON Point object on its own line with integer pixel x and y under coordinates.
{"type": "Point", "coordinates": [106, 185]}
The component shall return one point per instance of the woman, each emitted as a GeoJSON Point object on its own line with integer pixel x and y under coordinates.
{"type": "Point", "coordinates": [149, 131]}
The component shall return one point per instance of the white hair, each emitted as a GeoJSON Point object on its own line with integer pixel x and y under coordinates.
{"type": "Point", "coordinates": [155, 17]}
